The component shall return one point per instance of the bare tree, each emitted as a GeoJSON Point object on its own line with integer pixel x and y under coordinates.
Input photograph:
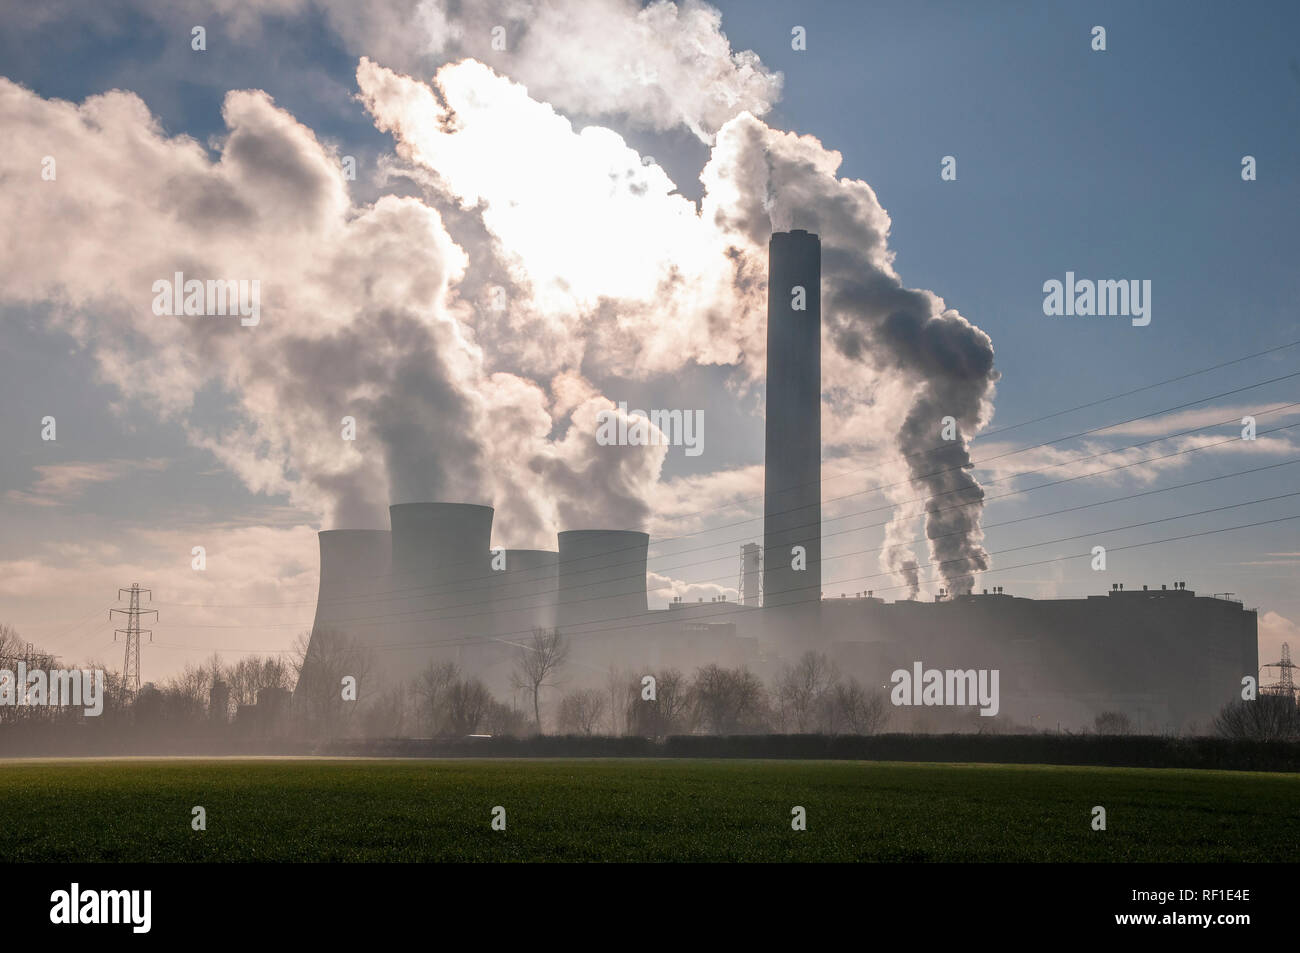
{"type": "Point", "coordinates": [667, 713]}
{"type": "Point", "coordinates": [854, 710]}
{"type": "Point", "coordinates": [14, 646]}
{"type": "Point", "coordinates": [114, 691]}
{"type": "Point", "coordinates": [322, 660]}
{"type": "Point", "coordinates": [1267, 717]}
{"type": "Point", "coordinates": [537, 665]}
{"type": "Point", "coordinates": [467, 703]}
{"type": "Point", "coordinates": [11, 643]}
{"type": "Point", "coordinates": [185, 696]}
{"type": "Point", "coordinates": [501, 719]}
{"type": "Point", "coordinates": [385, 714]}
{"type": "Point", "coordinates": [432, 690]}
{"type": "Point", "coordinates": [1112, 723]}
{"type": "Point", "coordinates": [581, 711]}
{"type": "Point", "coordinates": [728, 700]}
{"type": "Point", "coordinates": [802, 693]}
{"type": "Point", "coordinates": [251, 674]}
{"type": "Point", "coordinates": [620, 697]}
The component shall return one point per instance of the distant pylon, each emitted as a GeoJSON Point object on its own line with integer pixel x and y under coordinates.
{"type": "Point", "coordinates": [131, 668]}
{"type": "Point", "coordinates": [1285, 684]}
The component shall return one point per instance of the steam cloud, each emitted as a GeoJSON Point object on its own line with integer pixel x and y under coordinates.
{"type": "Point", "coordinates": [386, 311]}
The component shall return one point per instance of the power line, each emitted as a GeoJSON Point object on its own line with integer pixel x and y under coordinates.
{"type": "Point", "coordinates": [134, 621]}
{"type": "Point", "coordinates": [649, 617]}
{"type": "Point", "coordinates": [949, 446]}
{"type": "Point", "coordinates": [422, 616]}
{"type": "Point", "coordinates": [1137, 390]}
{"type": "Point", "coordinates": [419, 591]}
{"type": "Point", "coordinates": [739, 609]}
{"type": "Point", "coordinates": [976, 464]}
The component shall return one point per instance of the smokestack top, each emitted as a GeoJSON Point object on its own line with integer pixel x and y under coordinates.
{"type": "Point", "coordinates": [579, 535]}
{"type": "Point", "coordinates": [602, 575]}
{"type": "Point", "coordinates": [352, 551]}
{"type": "Point", "coordinates": [449, 539]}
{"type": "Point", "coordinates": [436, 509]}
{"type": "Point", "coordinates": [795, 234]}
{"type": "Point", "coordinates": [360, 541]}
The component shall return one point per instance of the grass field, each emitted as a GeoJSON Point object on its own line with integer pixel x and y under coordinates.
{"type": "Point", "coordinates": [636, 810]}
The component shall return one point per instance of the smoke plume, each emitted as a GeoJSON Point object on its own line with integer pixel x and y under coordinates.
{"type": "Point", "coordinates": [759, 180]}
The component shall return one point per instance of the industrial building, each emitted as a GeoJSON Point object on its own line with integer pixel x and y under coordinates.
{"type": "Point", "coordinates": [430, 588]}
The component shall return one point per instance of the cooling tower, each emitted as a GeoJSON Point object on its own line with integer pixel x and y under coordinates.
{"type": "Point", "coordinates": [602, 578]}
{"type": "Point", "coordinates": [440, 593]}
{"type": "Point", "coordinates": [792, 481]}
{"type": "Point", "coordinates": [354, 575]}
{"type": "Point", "coordinates": [523, 599]}
{"type": "Point", "coordinates": [354, 567]}
{"type": "Point", "coordinates": [524, 593]}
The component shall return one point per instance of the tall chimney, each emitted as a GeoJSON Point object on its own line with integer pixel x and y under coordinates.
{"type": "Point", "coordinates": [750, 573]}
{"type": "Point", "coordinates": [792, 481]}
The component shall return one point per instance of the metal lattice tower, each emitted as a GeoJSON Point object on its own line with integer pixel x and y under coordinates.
{"type": "Point", "coordinates": [1285, 684]}
{"type": "Point", "coordinates": [131, 668]}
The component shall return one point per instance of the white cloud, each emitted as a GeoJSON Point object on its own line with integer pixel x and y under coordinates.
{"type": "Point", "coordinates": [60, 483]}
{"type": "Point", "coordinates": [1274, 630]}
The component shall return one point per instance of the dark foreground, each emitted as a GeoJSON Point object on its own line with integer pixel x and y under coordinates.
{"type": "Point", "coordinates": [637, 810]}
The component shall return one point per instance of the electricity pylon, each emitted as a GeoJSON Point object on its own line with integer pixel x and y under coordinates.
{"type": "Point", "coordinates": [131, 670]}
{"type": "Point", "coordinates": [1285, 685]}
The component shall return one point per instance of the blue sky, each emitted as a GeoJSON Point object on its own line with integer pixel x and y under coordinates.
{"type": "Point", "coordinates": [1117, 164]}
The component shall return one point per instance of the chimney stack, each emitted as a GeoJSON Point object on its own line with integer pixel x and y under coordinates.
{"type": "Point", "coordinates": [792, 481]}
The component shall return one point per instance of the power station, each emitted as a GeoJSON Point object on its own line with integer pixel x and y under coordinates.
{"type": "Point", "coordinates": [431, 589]}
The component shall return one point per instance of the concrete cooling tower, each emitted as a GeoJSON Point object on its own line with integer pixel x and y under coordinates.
{"type": "Point", "coordinates": [350, 603]}
{"type": "Point", "coordinates": [354, 567]}
{"type": "Point", "coordinates": [792, 482]}
{"type": "Point", "coordinates": [523, 599]}
{"type": "Point", "coordinates": [524, 593]}
{"type": "Point", "coordinates": [441, 598]}
{"type": "Point", "coordinates": [602, 590]}
{"type": "Point", "coordinates": [602, 575]}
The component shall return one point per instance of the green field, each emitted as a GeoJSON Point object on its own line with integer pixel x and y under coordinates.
{"type": "Point", "coordinates": [636, 810]}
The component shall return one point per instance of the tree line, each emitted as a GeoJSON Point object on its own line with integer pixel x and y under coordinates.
{"type": "Point", "coordinates": [304, 694]}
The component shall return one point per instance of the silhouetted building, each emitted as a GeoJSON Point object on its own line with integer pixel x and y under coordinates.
{"type": "Point", "coordinates": [1166, 657]}
{"type": "Point", "coordinates": [219, 701]}
{"type": "Point", "coordinates": [750, 572]}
